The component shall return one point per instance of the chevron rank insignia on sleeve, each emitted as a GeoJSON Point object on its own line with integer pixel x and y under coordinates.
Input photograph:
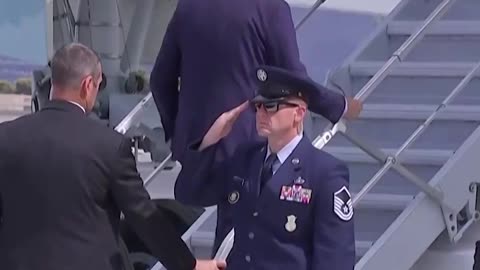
{"type": "Point", "coordinates": [342, 204]}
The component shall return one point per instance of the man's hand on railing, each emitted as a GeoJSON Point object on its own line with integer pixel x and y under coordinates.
{"type": "Point", "coordinates": [354, 108]}
{"type": "Point", "coordinates": [211, 265]}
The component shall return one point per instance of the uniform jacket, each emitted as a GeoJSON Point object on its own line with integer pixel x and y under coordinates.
{"type": "Point", "coordinates": [214, 46]}
{"type": "Point", "coordinates": [64, 178]}
{"type": "Point", "coordinates": [281, 227]}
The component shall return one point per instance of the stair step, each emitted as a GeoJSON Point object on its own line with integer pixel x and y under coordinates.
{"type": "Point", "coordinates": [421, 9]}
{"type": "Point", "coordinates": [414, 69]}
{"type": "Point", "coordinates": [392, 182]}
{"type": "Point", "coordinates": [420, 112]}
{"type": "Point", "coordinates": [391, 134]}
{"type": "Point", "coordinates": [384, 201]}
{"type": "Point", "coordinates": [409, 156]}
{"type": "Point", "coordinates": [421, 90]}
{"type": "Point", "coordinates": [443, 27]}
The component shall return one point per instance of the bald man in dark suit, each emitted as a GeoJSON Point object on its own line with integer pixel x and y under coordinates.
{"type": "Point", "coordinates": [65, 178]}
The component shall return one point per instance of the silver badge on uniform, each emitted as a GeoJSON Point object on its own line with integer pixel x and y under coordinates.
{"type": "Point", "coordinates": [342, 204]}
{"type": "Point", "coordinates": [291, 226]}
{"type": "Point", "coordinates": [261, 75]}
{"type": "Point", "coordinates": [233, 197]}
{"type": "Point", "coordinates": [299, 181]}
{"type": "Point", "coordinates": [295, 161]}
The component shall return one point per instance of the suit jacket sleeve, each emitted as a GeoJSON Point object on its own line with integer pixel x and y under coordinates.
{"type": "Point", "coordinates": [164, 78]}
{"type": "Point", "coordinates": [149, 222]}
{"type": "Point", "coordinates": [334, 241]}
{"type": "Point", "coordinates": [282, 51]}
{"type": "Point", "coordinates": [202, 181]}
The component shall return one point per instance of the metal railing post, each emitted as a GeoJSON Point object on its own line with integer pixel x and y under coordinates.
{"type": "Point", "coordinates": [132, 117]}
{"type": "Point", "coordinates": [157, 170]}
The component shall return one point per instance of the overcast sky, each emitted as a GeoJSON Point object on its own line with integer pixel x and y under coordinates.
{"type": "Point", "coordinates": [22, 30]}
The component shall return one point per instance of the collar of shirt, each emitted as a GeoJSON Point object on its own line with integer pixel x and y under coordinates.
{"type": "Point", "coordinates": [75, 103]}
{"type": "Point", "coordinates": [285, 151]}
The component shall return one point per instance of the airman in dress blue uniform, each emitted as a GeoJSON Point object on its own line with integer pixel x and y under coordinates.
{"type": "Point", "coordinates": [213, 46]}
{"type": "Point", "coordinates": [291, 204]}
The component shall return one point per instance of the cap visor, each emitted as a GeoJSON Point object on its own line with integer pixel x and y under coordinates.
{"type": "Point", "coordinates": [262, 99]}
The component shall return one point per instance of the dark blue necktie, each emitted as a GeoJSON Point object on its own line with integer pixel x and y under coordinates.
{"type": "Point", "coordinates": [267, 169]}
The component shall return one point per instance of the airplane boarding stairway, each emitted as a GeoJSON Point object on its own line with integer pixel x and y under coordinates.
{"type": "Point", "coordinates": [413, 154]}
{"type": "Point", "coordinates": [426, 53]}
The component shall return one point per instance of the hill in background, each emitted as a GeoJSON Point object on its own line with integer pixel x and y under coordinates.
{"type": "Point", "coordinates": [11, 68]}
{"type": "Point", "coordinates": [15, 75]}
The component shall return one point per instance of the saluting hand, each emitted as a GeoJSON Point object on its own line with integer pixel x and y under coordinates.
{"type": "Point", "coordinates": [222, 126]}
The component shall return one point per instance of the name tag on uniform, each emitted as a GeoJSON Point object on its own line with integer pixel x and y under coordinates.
{"type": "Point", "coordinates": [296, 193]}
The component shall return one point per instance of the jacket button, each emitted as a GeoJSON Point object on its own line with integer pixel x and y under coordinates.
{"type": "Point", "coordinates": [255, 214]}
{"type": "Point", "coordinates": [248, 258]}
{"type": "Point", "coordinates": [251, 235]}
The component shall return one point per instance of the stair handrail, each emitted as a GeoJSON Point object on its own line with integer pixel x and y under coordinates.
{"type": "Point", "coordinates": [133, 117]}
{"type": "Point", "coordinates": [341, 127]}
{"type": "Point", "coordinates": [456, 220]}
{"type": "Point", "coordinates": [390, 161]}
{"type": "Point", "coordinates": [313, 8]}
{"type": "Point", "coordinates": [398, 56]}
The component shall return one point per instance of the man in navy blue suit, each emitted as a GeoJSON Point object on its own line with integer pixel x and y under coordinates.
{"type": "Point", "coordinates": [290, 202]}
{"type": "Point", "coordinates": [213, 46]}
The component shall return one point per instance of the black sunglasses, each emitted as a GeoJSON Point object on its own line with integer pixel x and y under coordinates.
{"type": "Point", "coordinates": [274, 106]}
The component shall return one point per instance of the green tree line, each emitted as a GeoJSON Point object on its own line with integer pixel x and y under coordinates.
{"type": "Point", "coordinates": [20, 86]}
